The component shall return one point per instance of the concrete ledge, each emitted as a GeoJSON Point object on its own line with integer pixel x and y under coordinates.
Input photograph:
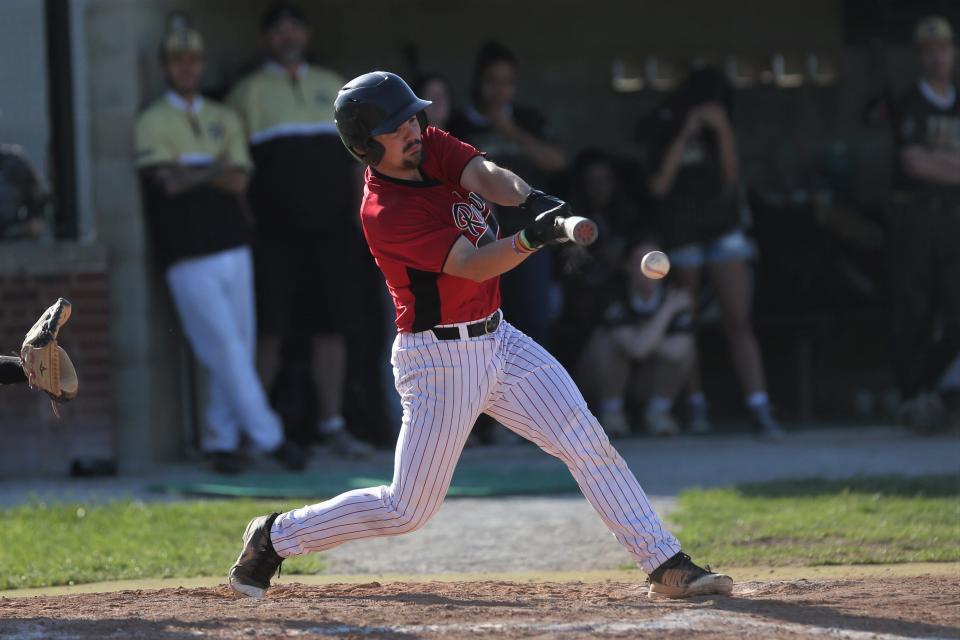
{"type": "Point", "coordinates": [62, 256]}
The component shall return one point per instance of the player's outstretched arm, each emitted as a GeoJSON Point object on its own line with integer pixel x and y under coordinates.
{"type": "Point", "coordinates": [482, 263]}
{"type": "Point", "coordinates": [10, 370]}
{"type": "Point", "coordinates": [494, 183]}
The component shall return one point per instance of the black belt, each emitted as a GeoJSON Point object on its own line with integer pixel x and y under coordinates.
{"type": "Point", "coordinates": [474, 329]}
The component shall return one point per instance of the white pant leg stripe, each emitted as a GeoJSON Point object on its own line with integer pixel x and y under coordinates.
{"type": "Point", "coordinates": [407, 481]}
{"type": "Point", "coordinates": [525, 431]}
{"type": "Point", "coordinates": [592, 489]}
{"type": "Point", "coordinates": [333, 515]}
{"type": "Point", "coordinates": [440, 439]}
{"type": "Point", "coordinates": [310, 526]}
{"type": "Point", "coordinates": [554, 384]}
{"type": "Point", "coordinates": [521, 424]}
{"type": "Point", "coordinates": [593, 437]}
{"type": "Point", "coordinates": [431, 433]}
{"type": "Point", "coordinates": [434, 432]}
{"type": "Point", "coordinates": [351, 517]}
{"type": "Point", "coordinates": [456, 429]}
{"type": "Point", "coordinates": [572, 455]}
{"type": "Point", "coordinates": [624, 484]}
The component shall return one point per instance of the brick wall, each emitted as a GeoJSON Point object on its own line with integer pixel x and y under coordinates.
{"type": "Point", "coordinates": [36, 442]}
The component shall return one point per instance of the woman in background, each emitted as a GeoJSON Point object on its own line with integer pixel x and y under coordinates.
{"type": "Point", "coordinates": [436, 89]}
{"type": "Point", "coordinates": [515, 137]}
{"type": "Point", "coordinates": [694, 177]}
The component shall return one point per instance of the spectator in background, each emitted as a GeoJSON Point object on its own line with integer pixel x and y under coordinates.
{"type": "Point", "coordinates": [515, 137]}
{"type": "Point", "coordinates": [694, 175]}
{"type": "Point", "coordinates": [435, 89]}
{"type": "Point", "coordinates": [597, 191]}
{"type": "Point", "coordinates": [643, 351]}
{"type": "Point", "coordinates": [194, 168]}
{"type": "Point", "coordinates": [23, 196]}
{"type": "Point", "coordinates": [924, 228]}
{"type": "Point", "coordinates": [304, 196]}
{"type": "Point", "coordinates": [585, 272]}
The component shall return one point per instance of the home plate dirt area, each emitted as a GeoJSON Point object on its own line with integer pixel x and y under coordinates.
{"type": "Point", "coordinates": [869, 608]}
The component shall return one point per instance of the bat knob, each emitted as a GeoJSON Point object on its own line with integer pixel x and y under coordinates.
{"type": "Point", "coordinates": [580, 230]}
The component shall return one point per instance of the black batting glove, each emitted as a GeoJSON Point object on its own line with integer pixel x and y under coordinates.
{"type": "Point", "coordinates": [538, 202]}
{"type": "Point", "coordinates": [545, 229]}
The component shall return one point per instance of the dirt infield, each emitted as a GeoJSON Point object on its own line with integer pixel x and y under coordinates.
{"type": "Point", "coordinates": [854, 609]}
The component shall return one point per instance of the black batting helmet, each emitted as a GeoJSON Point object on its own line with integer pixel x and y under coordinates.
{"type": "Point", "coordinates": [369, 105]}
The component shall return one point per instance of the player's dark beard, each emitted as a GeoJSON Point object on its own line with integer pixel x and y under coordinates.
{"type": "Point", "coordinates": [416, 160]}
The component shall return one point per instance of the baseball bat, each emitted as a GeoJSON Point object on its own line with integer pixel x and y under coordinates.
{"type": "Point", "coordinates": [578, 229]}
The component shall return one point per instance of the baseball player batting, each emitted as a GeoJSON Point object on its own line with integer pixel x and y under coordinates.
{"type": "Point", "coordinates": [425, 218]}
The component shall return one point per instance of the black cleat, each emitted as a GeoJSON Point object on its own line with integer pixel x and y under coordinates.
{"type": "Point", "coordinates": [251, 573]}
{"type": "Point", "coordinates": [679, 577]}
{"type": "Point", "coordinates": [291, 455]}
{"type": "Point", "coordinates": [226, 462]}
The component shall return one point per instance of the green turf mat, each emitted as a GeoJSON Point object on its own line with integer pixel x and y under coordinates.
{"type": "Point", "coordinates": [474, 482]}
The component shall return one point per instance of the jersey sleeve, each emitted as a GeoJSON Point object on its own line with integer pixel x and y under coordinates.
{"type": "Point", "coordinates": [151, 147]}
{"type": "Point", "coordinates": [445, 156]}
{"type": "Point", "coordinates": [235, 144]}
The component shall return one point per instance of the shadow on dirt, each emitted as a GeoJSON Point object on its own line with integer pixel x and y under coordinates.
{"type": "Point", "coordinates": [173, 629]}
{"type": "Point", "coordinates": [806, 614]}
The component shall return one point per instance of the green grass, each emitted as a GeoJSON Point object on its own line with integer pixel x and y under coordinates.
{"type": "Point", "coordinates": [60, 544]}
{"type": "Point", "coordinates": [805, 522]}
{"type": "Point", "coordinates": [865, 520]}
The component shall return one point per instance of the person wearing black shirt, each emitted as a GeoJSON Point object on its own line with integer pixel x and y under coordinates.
{"type": "Point", "coordinates": [309, 252]}
{"type": "Point", "coordinates": [23, 196]}
{"type": "Point", "coordinates": [516, 138]}
{"type": "Point", "coordinates": [924, 228]}
{"type": "Point", "coordinates": [693, 176]}
{"type": "Point", "coordinates": [643, 350]}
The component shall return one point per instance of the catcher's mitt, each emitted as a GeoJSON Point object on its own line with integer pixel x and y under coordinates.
{"type": "Point", "coordinates": [46, 364]}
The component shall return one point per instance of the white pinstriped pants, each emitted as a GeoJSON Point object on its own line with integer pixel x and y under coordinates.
{"type": "Point", "coordinates": [444, 385]}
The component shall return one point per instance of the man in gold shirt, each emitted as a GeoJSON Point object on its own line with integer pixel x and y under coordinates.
{"type": "Point", "coordinates": [304, 197]}
{"type": "Point", "coordinates": [194, 167]}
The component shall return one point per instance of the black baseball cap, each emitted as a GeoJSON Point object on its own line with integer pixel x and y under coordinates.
{"type": "Point", "coordinates": [278, 12]}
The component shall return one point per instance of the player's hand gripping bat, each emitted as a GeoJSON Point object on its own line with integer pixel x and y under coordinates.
{"type": "Point", "coordinates": [554, 222]}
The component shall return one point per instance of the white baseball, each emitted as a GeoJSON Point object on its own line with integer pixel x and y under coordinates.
{"type": "Point", "coordinates": [655, 265]}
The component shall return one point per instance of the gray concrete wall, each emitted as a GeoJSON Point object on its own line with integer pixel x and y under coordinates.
{"type": "Point", "coordinates": [148, 403]}
{"type": "Point", "coordinates": [24, 113]}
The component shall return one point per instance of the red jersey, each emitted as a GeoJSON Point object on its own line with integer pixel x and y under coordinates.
{"type": "Point", "coordinates": [411, 226]}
